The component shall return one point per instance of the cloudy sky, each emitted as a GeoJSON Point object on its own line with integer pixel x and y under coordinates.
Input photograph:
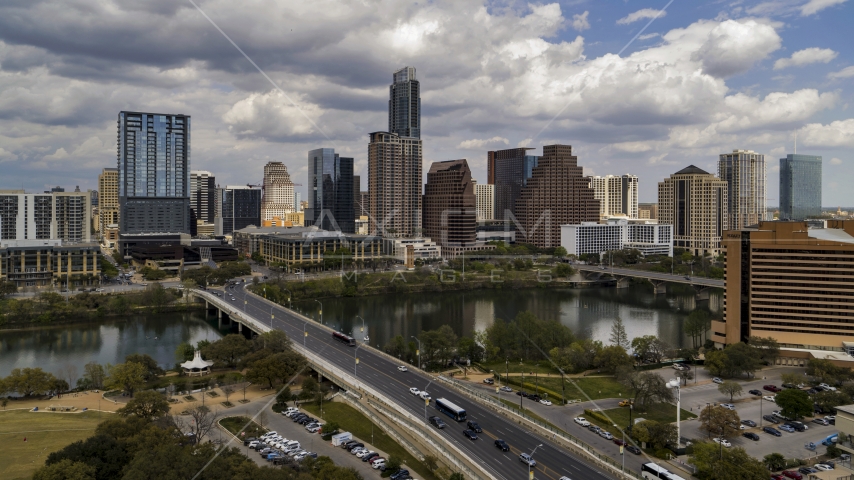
{"type": "Point", "coordinates": [630, 92]}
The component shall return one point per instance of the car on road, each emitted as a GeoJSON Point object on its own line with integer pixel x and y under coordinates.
{"type": "Point", "coordinates": [581, 421]}
{"type": "Point", "coordinates": [403, 368]}
{"type": "Point", "coordinates": [488, 381]}
{"type": "Point", "coordinates": [424, 396]}
{"type": "Point", "coordinates": [787, 428]}
{"type": "Point", "coordinates": [749, 423]}
{"type": "Point", "coordinates": [474, 426]}
{"type": "Point", "coordinates": [527, 460]}
{"type": "Point", "coordinates": [771, 388]}
{"type": "Point", "coordinates": [606, 435]}
{"type": "Point", "coordinates": [717, 380]}
{"type": "Point", "coordinates": [470, 434]}
{"type": "Point", "coordinates": [414, 391]}
{"type": "Point", "coordinates": [793, 475]}
{"type": "Point", "coordinates": [501, 444]}
{"type": "Point", "coordinates": [751, 436]}
{"type": "Point", "coordinates": [772, 431]}
{"type": "Point", "coordinates": [820, 421]}
{"type": "Point", "coordinates": [755, 392]}
{"type": "Point", "coordinates": [626, 403]}
{"type": "Point", "coordinates": [770, 398]}
{"type": "Point", "coordinates": [506, 389]}
{"type": "Point", "coordinates": [633, 449]}
{"type": "Point", "coordinates": [722, 441]}
{"type": "Point", "coordinates": [437, 422]}
{"type": "Point", "coordinates": [546, 402]}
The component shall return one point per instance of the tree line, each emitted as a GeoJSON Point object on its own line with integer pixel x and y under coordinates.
{"type": "Point", "coordinates": [224, 272]}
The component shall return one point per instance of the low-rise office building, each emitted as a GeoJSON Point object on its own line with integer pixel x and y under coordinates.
{"type": "Point", "coordinates": [405, 249]}
{"type": "Point", "coordinates": [311, 246]}
{"type": "Point", "coordinates": [793, 283]}
{"type": "Point", "coordinates": [646, 236]}
{"type": "Point", "coordinates": [40, 264]}
{"type": "Point", "coordinates": [248, 240]}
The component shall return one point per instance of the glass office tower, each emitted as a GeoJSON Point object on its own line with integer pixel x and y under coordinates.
{"type": "Point", "coordinates": [330, 196]}
{"type": "Point", "coordinates": [404, 104]}
{"type": "Point", "coordinates": [237, 208]}
{"type": "Point", "coordinates": [800, 187]}
{"type": "Point", "coordinates": [154, 173]}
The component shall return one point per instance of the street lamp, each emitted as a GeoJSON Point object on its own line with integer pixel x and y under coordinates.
{"type": "Point", "coordinates": [290, 302]}
{"type": "Point", "coordinates": [321, 311]}
{"type": "Point", "coordinates": [363, 326]}
{"type": "Point", "coordinates": [532, 457]}
{"type": "Point", "coordinates": [675, 384]}
{"type": "Point", "coordinates": [304, 333]}
{"type": "Point", "coordinates": [271, 317]}
{"type": "Point", "coordinates": [418, 352]}
{"type": "Point", "coordinates": [356, 364]}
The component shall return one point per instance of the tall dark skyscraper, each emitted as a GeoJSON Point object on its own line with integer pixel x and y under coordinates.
{"type": "Point", "coordinates": [237, 207]}
{"type": "Point", "coordinates": [203, 195]}
{"type": "Point", "coordinates": [404, 104]}
{"type": "Point", "coordinates": [154, 173]}
{"type": "Point", "coordinates": [330, 195]}
{"type": "Point", "coordinates": [800, 187]}
{"type": "Point", "coordinates": [450, 205]}
{"type": "Point", "coordinates": [509, 170]}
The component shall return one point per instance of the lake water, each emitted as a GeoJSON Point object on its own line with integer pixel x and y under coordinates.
{"type": "Point", "coordinates": [588, 312]}
{"type": "Point", "coordinates": [51, 348]}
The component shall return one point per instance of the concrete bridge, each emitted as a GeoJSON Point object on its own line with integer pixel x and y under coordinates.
{"type": "Point", "coordinates": [372, 378]}
{"type": "Point", "coordinates": [658, 280]}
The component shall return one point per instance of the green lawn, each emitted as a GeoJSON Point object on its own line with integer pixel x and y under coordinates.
{"type": "Point", "coordinates": [515, 406]}
{"type": "Point", "coordinates": [351, 420]}
{"type": "Point", "coordinates": [45, 433]}
{"type": "Point", "coordinates": [237, 424]}
{"type": "Point", "coordinates": [660, 412]}
{"type": "Point", "coordinates": [517, 367]}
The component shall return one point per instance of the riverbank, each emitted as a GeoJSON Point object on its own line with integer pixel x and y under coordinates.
{"type": "Point", "coordinates": [96, 317]}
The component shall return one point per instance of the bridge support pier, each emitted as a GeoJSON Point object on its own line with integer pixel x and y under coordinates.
{"type": "Point", "coordinates": [239, 327]}
{"type": "Point", "coordinates": [623, 282]}
{"type": "Point", "coordinates": [659, 287]}
{"type": "Point", "coordinates": [702, 292]}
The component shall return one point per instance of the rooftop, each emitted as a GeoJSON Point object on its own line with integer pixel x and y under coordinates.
{"type": "Point", "coordinates": [692, 170]}
{"type": "Point", "coordinates": [832, 234]}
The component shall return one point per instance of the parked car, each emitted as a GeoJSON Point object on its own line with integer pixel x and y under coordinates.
{"type": "Point", "coordinates": [627, 402]}
{"type": "Point", "coordinates": [751, 436]}
{"type": "Point", "coordinates": [370, 456]}
{"type": "Point", "coordinates": [770, 398]}
{"type": "Point", "coordinates": [470, 434]}
{"type": "Point", "coordinates": [798, 426]}
{"type": "Point", "coordinates": [793, 475]}
{"type": "Point", "coordinates": [831, 419]}
{"type": "Point", "coordinates": [506, 389]}
{"type": "Point", "coordinates": [771, 418]}
{"type": "Point", "coordinates": [772, 431]}
{"type": "Point", "coordinates": [606, 435]}
{"type": "Point", "coordinates": [722, 441]}
{"type": "Point", "coordinates": [619, 442]}
{"type": "Point", "coordinates": [594, 428]}
{"type": "Point", "coordinates": [772, 388]}
{"type": "Point", "coordinates": [633, 449]}
{"type": "Point", "coordinates": [488, 381]}
{"type": "Point", "coordinates": [400, 474]}
{"type": "Point", "coordinates": [527, 460]}
{"type": "Point", "coordinates": [823, 467]}
{"type": "Point", "coordinates": [827, 387]}
{"type": "Point", "coordinates": [546, 402]}
{"type": "Point", "coordinates": [717, 380]}
{"type": "Point", "coordinates": [377, 463]}
{"type": "Point", "coordinates": [807, 470]}
{"type": "Point", "coordinates": [749, 423]}
{"type": "Point", "coordinates": [787, 428]}
{"type": "Point", "coordinates": [728, 406]}
{"type": "Point", "coordinates": [581, 421]}
{"type": "Point", "coordinates": [249, 440]}
{"type": "Point", "coordinates": [501, 444]}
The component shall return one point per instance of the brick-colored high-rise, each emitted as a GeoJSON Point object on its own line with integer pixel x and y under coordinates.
{"type": "Point", "coordinates": [394, 185]}
{"type": "Point", "coordinates": [556, 194]}
{"type": "Point", "coordinates": [450, 205]}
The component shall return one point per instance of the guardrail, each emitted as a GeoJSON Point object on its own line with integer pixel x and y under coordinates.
{"type": "Point", "coordinates": [574, 444]}
{"type": "Point", "coordinates": [384, 427]}
{"type": "Point", "coordinates": [356, 389]}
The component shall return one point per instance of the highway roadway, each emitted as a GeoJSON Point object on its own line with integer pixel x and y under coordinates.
{"type": "Point", "coordinates": [630, 272]}
{"type": "Point", "coordinates": [381, 374]}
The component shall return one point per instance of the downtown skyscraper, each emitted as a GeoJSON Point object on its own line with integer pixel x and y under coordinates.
{"type": "Point", "coordinates": [278, 192]}
{"type": "Point", "coordinates": [330, 194]}
{"type": "Point", "coordinates": [154, 173]}
{"type": "Point", "coordinates": [509, 170]}
{"type": "Point", "coordinates": [800, 187]}
{"type": "Point", "coordinates": [744, 172]}
{"type": "Point", "coordinates": [394, 163]}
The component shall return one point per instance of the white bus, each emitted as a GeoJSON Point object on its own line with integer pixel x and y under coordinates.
{"type": "Point", "coordinates": [651, 470]}
{"type": "Point", "coordinates": [450, 409]}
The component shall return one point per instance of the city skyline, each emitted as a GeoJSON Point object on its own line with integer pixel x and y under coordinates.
{"type": "Point", "coordinates": [725, 96]}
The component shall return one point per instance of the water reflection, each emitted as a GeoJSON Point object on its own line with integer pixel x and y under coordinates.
{"type": "Point", "coordinates": [108, 342]}
{"type": "Point", "coordinates": [588, 312]}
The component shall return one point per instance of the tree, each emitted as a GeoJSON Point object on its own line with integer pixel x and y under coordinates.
{"type": "Point", "coordinates": [467, 347]}
{"type": "Point", "coordinates": [774, 461]}
{"type": "Point", "coordinates": [184, 352]}
{"type": "Point", "coordinates": [393, 464]}
{"type": "Point", "coordinates": [431, 462]}
{"type": "Point", "coordinates": [228, 350]}
{"type": "Point", "coordinates": [152, 369]}
{"type": "Point", "coordinates": [275, 341]}
{"type": "Point", "coordinates": [7, 288]}
{"type": "Point", "coordinates": [824, 371]}
{"type": "Point", "coordinates": [649, 348]}
{"type": "Point", "coordinates": [695, 326]}
{"type": "Point", "coordinates": [685, 375]}
{"type": "Point", "coordinates": [794, 403]}
{"type": "Point", "coordinates": [102, 452]}
{"type": "Point", "coordinates": [58, 386]}
{"type": "Point", "coordinates": [612, 357]}
{"type": "Point", "coordinates": [730, 388]}
{"type": "Point", "coordinates": [766, 348]}
{"type": "Point", "coordinates": [146, 404]}
{"type": "Point", "coordinates": [309, 388]}
{"type": "Point", "coordinates": [716, 463]}
{"type": "Point", "coordinates": [203, 421]}
{"type": "Point", "coordinates": [719, 421]}
{"type": "Point", "coordinates": [735, 360]}
{"type": "Point", "coordinates": [827, 401]}
{"type": "Point", "coordinates": [284, 396]}
{"type": "Point", "coordinates": [793, 379]}
{"type": "Point", "coordinates": [645, 386]}
{"type": "Point", "coordinates": [274, 368]}
{"type": "Point", "coordinates": [66, 470]}
{"type": "Point", "coordinates": [396, 347]}
{"type": "Point", "coordinates": [456, 476]}
{"type": "Point", "coordinates": [618, 334]}
{"type": "Point", "coordinates": [94, 374]}
{"type": "Point", "coordinates": [128, 376]}
{"type": "Point", "coordinates": [29, 381]}
{"type": "Point", "coordinates": [658, 435]}
{"type": "Point", "coordinates": [560, 252]}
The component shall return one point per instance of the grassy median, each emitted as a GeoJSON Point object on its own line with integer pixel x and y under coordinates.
{"type": "Point", "coordinates": [351, 420]}
{"type": "Point", "coordinates": [44, 432]}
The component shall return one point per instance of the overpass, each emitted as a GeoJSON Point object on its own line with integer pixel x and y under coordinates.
{"type": "Point", "coordinates": [657, 279]}
{"type": "Point", "coordinates": [376, 378]}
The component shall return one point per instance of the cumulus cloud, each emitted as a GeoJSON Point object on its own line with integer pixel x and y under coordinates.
{"type": "Point", "coordinates": [641, 15]}
{"type": "Point", "coordinates": [835, 161]}
{"type": "Point", "coordinates": [475, 144]}
{"type": "Point", "coordinates": [733, 47]}
{"type": "Point", "coordinates": [814, 6]}
{"type": "Point", "coordinates": [806, 57]}
{"type": "Point", "coordinates": [839, 133]}
{"type": "Point", "coordinates": [579, 21]}
{"type": "Point", "coordinates": [846, 72]}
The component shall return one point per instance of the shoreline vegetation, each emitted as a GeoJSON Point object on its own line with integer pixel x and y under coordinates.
{"type": "Point", "coordinates": [53, 309]}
